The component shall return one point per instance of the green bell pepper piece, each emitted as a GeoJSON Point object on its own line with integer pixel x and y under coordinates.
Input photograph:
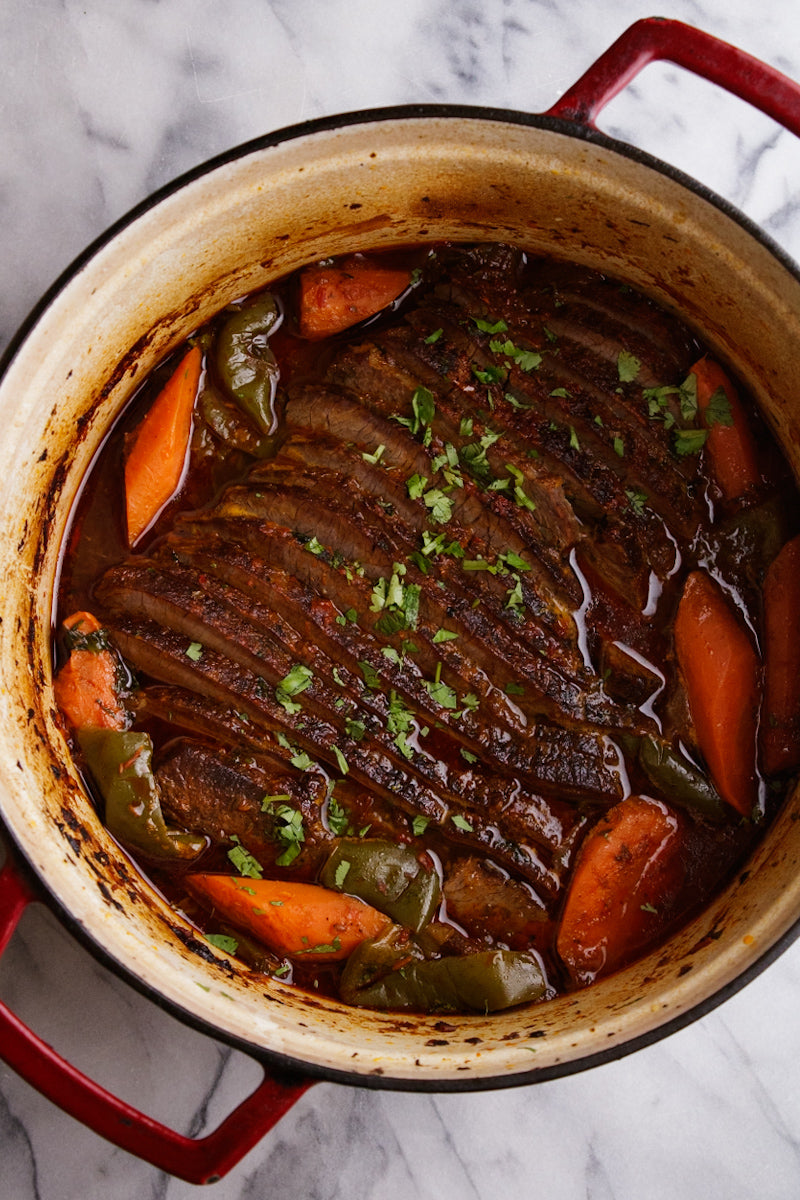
{"type": "Point", "coordinates": [228, 423]}
{"type": "Point", "coordinates": [679, 781]}
{"type": "Point", "coordinates": [121, 763]}
{"type": "Point", "coordinates": [386, 972]}
{"type": "Point", "coordinates": [393, 878]}
{"type": "Point", "coordinates": [245, 363]}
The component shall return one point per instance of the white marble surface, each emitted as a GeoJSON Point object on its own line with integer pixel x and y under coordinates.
{"type": "Point", "coordinates": [101, 103]}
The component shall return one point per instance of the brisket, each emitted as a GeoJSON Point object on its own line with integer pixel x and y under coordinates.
{"type": "Point", "coordinates": [400, 603]}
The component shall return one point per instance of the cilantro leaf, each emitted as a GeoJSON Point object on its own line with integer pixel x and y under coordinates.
{"type": "Point", "coordinates": [440, 505]}
{"type": "Point", "coordinates": [490, 326]}
{"type": "Point", "coordinates": [243, 860]}
{"type": "Point", "coordinates": [718, 410]}
{"type": "Point", "coordinates": [690, 441]}
{"type": "Point", "coordinates": [628, 366]}
{"type": "Point", "coordinates": [222, 942]}
{"type": "Point", "coordinates": [296, 681]}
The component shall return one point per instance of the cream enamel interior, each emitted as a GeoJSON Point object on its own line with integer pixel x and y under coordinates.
{"type": "Point", "coordinates": [380, 182]}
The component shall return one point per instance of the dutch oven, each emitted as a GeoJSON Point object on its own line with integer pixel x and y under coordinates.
{"type": "Point", "coordinates": [551, 183]}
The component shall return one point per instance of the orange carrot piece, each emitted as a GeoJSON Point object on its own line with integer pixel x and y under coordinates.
{"type": "Point", "coordinates": [302, 920]}
{"type": "Point", "coordinates": [86, 686]}
{"type": "Point", "coordinates": [157, 457]}
{"type": "Point", "coordinates": [624, 889]}
{"type": "Point", "coordinates": [780, 718]}
{"type": "Point", "coordinates": [721, 670]}
{"type": "Point", "coordinates": [333, 298]}
{"type": "Point", "coordinates": [731, 448]}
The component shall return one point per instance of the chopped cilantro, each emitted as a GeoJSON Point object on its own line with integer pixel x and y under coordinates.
{"type": "Point", "coordinates": [528, 360]}
{"type": "Point", "coordinates": [461, 823]}
{"type": "Point", "coordinates": [521, 497]}
{"type": "Point", "coordinates": [268, 800]}
{"type": "Point", "coordinates": [337, 816]}
{"type": "Point", "coordinates": [443, 635]}
{"type": "Point", "coordinates": [195, 651]}
{"type": "Point", "coordinates": [619, 446]}
{"type": "Point", "coordinates": [637, 500]}
{"type": "Point", "coordinates": [473, 456]}
{"type": "Point", "coordinates": [514, 598]}
{"type": "Point", "coordinates": [398, 602]}
{"type": "Point", "coordinates": [439, 504]}
{"type": "Point", "coordinates": [324, 948]}
{"type": "Point", "coordinates": [687, 394]}
{"type": "Point", "coordinates": [371, 677]}
{"type": "Point", "coordinates": [416, 486]}
{"type": "Point", "coordinates": [423, 406]}
{"type": "Point", "coordinates": [514, 402]}
{"type": "Point", "coordinates": [690, 441]}
{"type": "Point", "coordinates": [419, 825]}
{"type": "Point", "coordinates": [222, 942]}
{"type": "Point", "coordinates": [511, 559]}
{"type": "Point", "coordinates": [490, 326]}
{"type": "Point", "coordinates": [375, 458]}
{"type": "Point", "coordinates": [340, 759]}
{"type": "Point", "coordinates": [440, 692]}
{"type": "Point", "coordinates": [342, 871]}
{"type": "Point", "coordinates": [490, 374]}
{"type": "Point", "coordinates": [355, 729]}
{"type": "Point", "coordinates": [302, 761]}
{"type": "Point", "coordinates": [433, 337]}
{"type": "Point", "coordinates": [288, 830]}
{"type": "Point", "coordinates": [296, 681]}
{"type": "Point", "coordinates": [243, 860]}
{"type": "Point", "coordinates": [718, 410]}
{"type": "Point", "coordinates": [628, 366]}
{"type": "Point", "coordinates": [467, 755]}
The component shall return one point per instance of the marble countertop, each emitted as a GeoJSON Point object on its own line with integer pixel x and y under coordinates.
{"type": "Point", "coordinates": [99, 105]}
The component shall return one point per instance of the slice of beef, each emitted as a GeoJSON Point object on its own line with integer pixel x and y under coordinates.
{"type": "Point", "coordinates": [234, 797]}
{"type": "Point", "coordinates": [488, 904]}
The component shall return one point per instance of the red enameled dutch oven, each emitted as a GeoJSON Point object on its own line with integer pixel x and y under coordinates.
{"type": "Point", "coordinates": [551, 183]}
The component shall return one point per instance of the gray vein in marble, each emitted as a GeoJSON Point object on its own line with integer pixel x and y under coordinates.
{"type": "Point", "coordinates": [18, 1156]}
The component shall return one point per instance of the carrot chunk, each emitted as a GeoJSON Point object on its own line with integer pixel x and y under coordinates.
{"type": "Point", "coordinates": [624, 889]}
{"type": "Point", "coordinates": [780, 718]}
{"type": "Point", "coordinates": [333, 298]}
{"type": "Point", "coordinates": [721, 670]}
{"type": "Point", "coordinates": [297, 919]}
{"type": "Point", "coordinates": [157, 456]}
{"type": "Point", "coordinates": [730, 444]}
{"type": "Point", "coordinates": [86, 686]}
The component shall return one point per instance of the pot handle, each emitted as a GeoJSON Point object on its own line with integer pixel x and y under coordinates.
{"type": "Point", "coordinates": [657, 38]}
{"type": "Point", "coordinates": [195, 1160]}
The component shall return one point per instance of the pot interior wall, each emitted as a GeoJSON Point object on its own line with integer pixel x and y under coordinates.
{"type": "Point", "coordinates": [237, 227]}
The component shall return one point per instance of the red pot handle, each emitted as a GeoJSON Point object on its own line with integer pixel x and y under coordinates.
{"type": "Point", "coordinates": [196, 1160]}
{"type": "Point", "coordinates": [660, 38]}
